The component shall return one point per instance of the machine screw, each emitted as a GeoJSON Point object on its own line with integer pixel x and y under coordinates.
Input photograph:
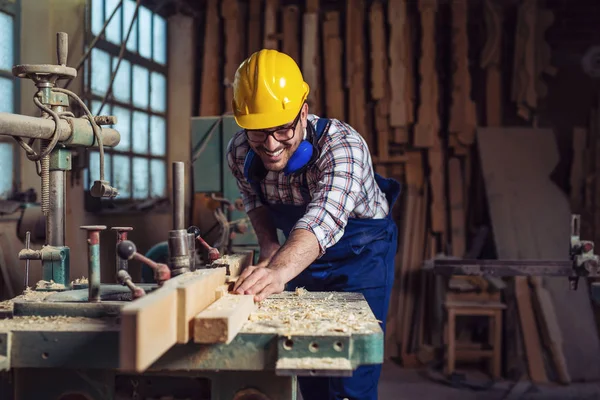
{"type": "Point", "coordinates": [121, 235]}
{"type": "Point", "coordinates": [213, 253]}
{"type": "Point", "coordinates": [93, 232]}
{"type": "Point", "coordinates": [124, 278]}
{"type": "Point", "coordinates": [127, 250]}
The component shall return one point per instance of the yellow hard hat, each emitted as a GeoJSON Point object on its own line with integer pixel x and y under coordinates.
{"type": "Point", "coordinates": [268, 90]}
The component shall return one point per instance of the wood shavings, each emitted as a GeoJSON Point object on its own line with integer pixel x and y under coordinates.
{"type": "Point", "coordinates": [288, 314]}
{"type": "Point", "coordinates": [58, 323]}
{"type": "Point", "coordinates": [80, 281]}
{"type": "Point", "coordinates": [300, 291]}
{"type": "Point", "coordinates": [49, 285]}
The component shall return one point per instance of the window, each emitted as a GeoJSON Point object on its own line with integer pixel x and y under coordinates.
{"type": "Point", "coordinates": [137, 166]}
{"type": "Point", "coordinates": [8, 91]}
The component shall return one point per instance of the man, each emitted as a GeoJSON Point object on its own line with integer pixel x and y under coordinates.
{"type": "Point", "coordinates": [313, 179]}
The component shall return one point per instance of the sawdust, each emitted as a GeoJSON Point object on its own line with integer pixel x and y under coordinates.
{"type": "Point", "coordinates": [80, 281]}
{"type": "Point", "coordinates": [58, 323]}
{"type": "Point", "coordinates": [27, 295]}
{"type": "Point", "coordinates": [300, 291]}
{"type": "Point", "coordinates": [49, 285]}
{"type": "Point", "coordinates": [302, 312]}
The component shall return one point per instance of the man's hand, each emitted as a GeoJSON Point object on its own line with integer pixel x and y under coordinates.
{"type": "Point", "coordinates": [259, 281]}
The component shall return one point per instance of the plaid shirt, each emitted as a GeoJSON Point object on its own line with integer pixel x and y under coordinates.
{"type": "Point", "coordinates": [341, 183]}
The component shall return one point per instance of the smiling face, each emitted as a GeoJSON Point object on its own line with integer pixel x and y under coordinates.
{"type": "Point", "coordinates": [276, 146]}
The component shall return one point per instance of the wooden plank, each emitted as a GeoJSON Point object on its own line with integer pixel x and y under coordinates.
{"type": "Point", "coordinates": [291, 19]}
{"type": "Point", "coordinates": [428, 120]}
{"type": "Point", "coordinates": [577, 168]}
{"type": "Point", "coordinates": [195, 292]}
{"type": "Point", "coordinates": [399, 70]}
{"type": "Point", "coordinates": [254, 26]}
{"type": "Point", "coordinates": [355, 68]}
{"type": "Point", "coordinates": [531, 220]}
{"type": "Point", "coordinates": [222, 321]}
{"type": "Point", "coordinates": [211, 89]}
{"type": "Point", "coordinates": [148, 329]}
{"type": "Point", "coordinates": [310, 54]}
{"type": "Point", "coordinates": [270, 40]}
{"type": "Point", "coordinates": [333, 47]}
{"type": "Point", "coordinates": [491, 59]}
{"type": "Point", "coordinates": [457, 208]}
{"type": "Point", "coordinates": [233, 18]}
{"type": "Point", "coordinates": [234, 263]}
{"type": "Point", "coordinates": [438, 194]}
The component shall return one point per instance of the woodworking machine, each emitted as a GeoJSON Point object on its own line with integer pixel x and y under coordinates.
{"type": "Point", "coordinates": [582, 262]}
{"type": "Point", "coordinates": [89, 340]}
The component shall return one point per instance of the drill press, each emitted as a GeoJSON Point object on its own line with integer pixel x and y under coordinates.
{"type": "Point", "coordinates": [58, 131]}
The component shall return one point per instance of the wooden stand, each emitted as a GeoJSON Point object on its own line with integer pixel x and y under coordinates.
{"type": "Point", "coordinates": [493, 310]}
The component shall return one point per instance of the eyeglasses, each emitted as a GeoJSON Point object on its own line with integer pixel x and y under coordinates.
{"type": "Point", "coordinates": [280, 134]}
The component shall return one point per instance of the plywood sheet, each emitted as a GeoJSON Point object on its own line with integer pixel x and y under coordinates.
{"type": "Point", "coordinates": [531, 220]}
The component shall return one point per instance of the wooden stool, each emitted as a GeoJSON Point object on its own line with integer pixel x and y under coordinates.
{"type": "Point", "coordinates": [491, 309]}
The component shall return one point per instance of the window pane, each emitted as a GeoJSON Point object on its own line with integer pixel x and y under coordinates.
{"type": "Point", "coordinates": [158, 183]}
{"type": "Point", "coordinates": [140, 178]}
{"type": "Point", "coordinates": [6, 164]}
{"type": "Point", "coordinates": [140, 86]}
{"type": "Point", "coordinates": [145, 19]}
{"type": "Point", "coordinates": [140, 133]}
{"type": "Point", "coordinates": [100, 71]}
{"type": "Point", "coordinates": [113, 30]}
{"type": "Point", "coordinates": [129, 10]}
{"type": "Point", "coordinates": [6, 95]}
{"type": "Point", "coordinates": [97, 16]}
{"type": "Point", "coordinates": [160, 39]}
{"type": "Point", "coordinates": [95, 107]}
{"type": "Point", "coordinates": [6, 44]}
{"type": "Point", "coordinates": [159, 92]}
{"type": "Point", "coordinates": [123, 126]}
{"type": "Point", "coordinates": [121, 176]}
{"type": "Point", "coordinates": [94, 167]}
{"type": "Point", "coordinates": [122, 85]}
{"type": "Point", "coordinates": [158, 136]}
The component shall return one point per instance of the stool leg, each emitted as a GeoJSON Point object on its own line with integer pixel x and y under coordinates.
{"type": "Point", "coordinates": [496, 369]}
{"type": "Point", "coordinates": [451, 340]}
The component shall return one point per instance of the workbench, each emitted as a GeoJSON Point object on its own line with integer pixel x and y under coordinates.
{"type": "Point", "coordinates": [291, 334]}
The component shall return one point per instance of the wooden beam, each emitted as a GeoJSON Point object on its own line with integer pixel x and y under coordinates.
{"type": "Point", "coordinates": [491, 59]}
{"type": "Point", "coordinates": [334, 48]}
{"type": "Point", "coordinates": [457, 208]}
{"type": "Point", "coordinates": [211, 88]}
{"type": "Point", "coordinates": [221, 322]}
{"type": "Point", "coordinates": [232, 15]}
{"type": "Point", "coordinates": [234, 263]}
{"type": "Point", "coordinates": [310, 54]}
{"type": "Point", "coordinates": [148, 329]}
{"type": "Point", "coordinates": [291, 15]}
{"type": "Point", "coordinates": [270, 40]}
{"type": "Point", "coordinates": [254, 26]}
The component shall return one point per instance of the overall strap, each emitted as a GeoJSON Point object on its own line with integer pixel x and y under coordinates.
{"type": "Point", "coordinates": [322, 127]}
{"type": "Point", "coordinates": [257, 189]}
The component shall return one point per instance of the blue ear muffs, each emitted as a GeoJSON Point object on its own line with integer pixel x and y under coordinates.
{"type": "Point", "coordinates": [255, 171]}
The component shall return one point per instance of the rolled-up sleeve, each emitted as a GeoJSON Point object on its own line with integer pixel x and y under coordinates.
{"type": "Point", "coordinates": [341, 169]}
{"type": "Point", "coordinates": [236, 154]}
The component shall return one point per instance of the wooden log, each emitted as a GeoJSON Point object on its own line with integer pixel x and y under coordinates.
{"type": "Point", "coordinates": [233, 19]}
{"type": "Point", "coordinates": [222, 321]}
{"type": "Point", "coordinates": [491, 59]}
{"type": "Point", "coordinates": [355, 68]}
{"type": "Point", "coordinates": [254, 26]}
{"type": "Point", "coordinates": [270, 40]}
{"type": "Point", "coordinates": [333, 47]}
{"type": "Point", "coordinates": [148, 329]}
{"type": "Point", "coordinates": [428, 122]}
{"type": "Point", "coordinates": [211, 89]}
{"type": "Point", "coordinates": [310, 54]}
{"type": "Point", "coordinates": [291, 19]}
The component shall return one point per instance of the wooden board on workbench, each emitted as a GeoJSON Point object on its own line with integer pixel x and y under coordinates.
{"type": "Point", "coordinates": [222, 320]}
{"type": "Point", "coordinates": [531, 220]}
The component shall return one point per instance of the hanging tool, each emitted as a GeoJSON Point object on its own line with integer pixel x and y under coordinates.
{"type": "Point", "coordinates": [125, 279]}
{"type": "Point", "coordinates": [213, 253]}
{"type": "Point", "coordinates": [121, 235]}
{"type": "Point", "coordinates": [127, 250]}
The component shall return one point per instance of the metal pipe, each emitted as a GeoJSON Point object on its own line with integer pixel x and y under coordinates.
{"type": "Point", "coordinates": [94, 261]}
{"type": "Point", "coordinates": [55, 222]}
{"type": "Point", "coordinates": [179, 258]}
{"type": "Point", "coordinates": [178, 195]}
{"type": "Point", "coordinates": [71, 131]}
{"type": "Point", "coordinates": [192, 250]}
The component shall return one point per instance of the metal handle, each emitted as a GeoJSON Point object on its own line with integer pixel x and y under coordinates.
{"type": "Point", "coordinates": [27, 261]}
{"type": "Point", "coordinates": [62, 47]}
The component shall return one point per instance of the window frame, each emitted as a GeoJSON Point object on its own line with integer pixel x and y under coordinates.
{"type": "Point", "coordinates": [14, 9]}
{"type": "Point", "coordinates": [112, 49]}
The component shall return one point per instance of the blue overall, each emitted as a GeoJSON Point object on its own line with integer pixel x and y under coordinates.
{"type": "Point", "coordinates": [362, 261]}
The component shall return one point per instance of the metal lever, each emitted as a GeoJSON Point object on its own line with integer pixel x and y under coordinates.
{"type": "Point", "coordinates": [213, 253]}
{"type": "Point", "coordinates": [27, 261]}
{"type": "Point", "coordinates": [125, 279]}
{"type": "Point", "coordinates": [127, 250]}
{"type": "Point", "coordinates": [62, 47]}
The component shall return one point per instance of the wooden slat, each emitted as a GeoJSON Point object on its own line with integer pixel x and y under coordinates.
{"type": "Point", "coordinates": [333, 47]}
{"type": "Point", "coordinates": [400, 68]}
{"type": "Point", "coordinates": [291, 19]}
{"type": "Point", "coordinates": [270, 39]}
{"type": "Point", "coordinates": [221, 322]}
{"type": "Point", "coordinates": [211, 89]}
{"type": "Point", "coordinates": [233, 19]}
{"type": "Point", "coordinates": [310, 54]}
{"type": "Point", "coordinates": [457, 210]}
{"type": "Point", "coordinates": [234, 263]}
{"type": "Point", "coordinates": [428, 123]}
{"type": "Point", "coordinates": [148, 329]}
{"type": "Point", "coordinates": [254, 26]}
{"type": "Point", "coordinates": [380, 91]}
{"type": "Point", "coordinates": [491, 62]}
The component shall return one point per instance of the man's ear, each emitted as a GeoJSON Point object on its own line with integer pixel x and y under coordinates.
{"type": "Point", "coordinates": [304, 115]}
